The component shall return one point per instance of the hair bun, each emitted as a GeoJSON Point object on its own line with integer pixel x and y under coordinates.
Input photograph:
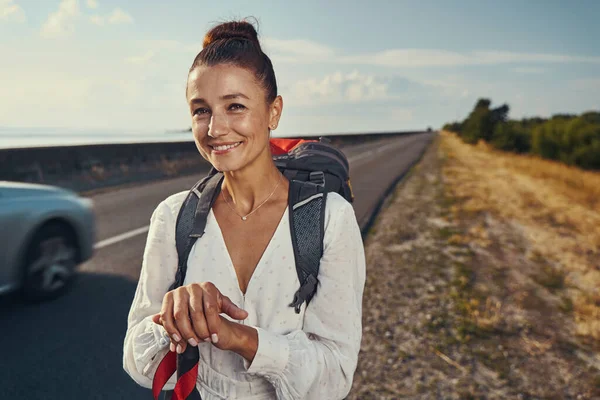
{"type": "Point", "coordinates": [231, 30]}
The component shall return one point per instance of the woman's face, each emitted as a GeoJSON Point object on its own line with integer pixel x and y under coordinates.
{"type": "Point", "coordinates": [230, 116]}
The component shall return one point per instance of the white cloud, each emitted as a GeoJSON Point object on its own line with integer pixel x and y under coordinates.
{"type": "Point", "coordinates": [143, 59]}
{"type": "Point", "coordinates": [296, 51]}
{"type": "Point", "coordinates": [92, 4]}
{"type": "Point", "coordinates": [301, 51]}
{"type": "Point", "coordinates": [61, 22]}
{"type": "Point", "coordinates": [338, 88]}
{"type": "Point", "coordinates": [140, 84]}
{"type": "Point", "coordinates": [118, 16]}
{"type": "Point", "coordinates": [361, 87]}
{"type": "Point", "coordinates": [299, 47]}
{"type": "Point", "coordinates": [451, 85]}
{"type": "Point", "coordinates": [498, 57]}
{"type": "Point", "coordinates": [587, 84]}
{"type": "Point", "coordinates": [91, 87]}
{"type": "Point", "coordinates": [172, 45]}
{"type": "Point", "coordinates": [97, 20]}
{"type": "Point", "coordinates": [306, 51]}
{"type": "Point", "coordinates": [401, 114]}
{"type": "Point", "coordinates": [443, 58]}
{"type": "Point", "coordinates": [9, 11]}
{"type": "Point", "coordinates": [529, 70]}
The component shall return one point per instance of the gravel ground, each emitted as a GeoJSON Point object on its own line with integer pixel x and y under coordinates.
{"type": "Point", "coordinates": [442, 316]}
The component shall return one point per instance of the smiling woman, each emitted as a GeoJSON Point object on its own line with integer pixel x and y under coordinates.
{"type": "Point", "coordinates": [239, 109]}
{"type": "Point", "coordinates": [231, 311]}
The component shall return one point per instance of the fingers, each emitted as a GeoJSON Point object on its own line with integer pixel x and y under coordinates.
{"type": "Point", "coordinates": [167, 320]}
{"type": "Point", "coordinates": [191, 314]}
{"type": "Point", "coordinates": [212, 310]}
{"type": "Point", "coordinates": [181, 313]}
{"type": "Point", "coordinates": [229, 308]}
{"type": "Point", "coordinates": [197, 316]}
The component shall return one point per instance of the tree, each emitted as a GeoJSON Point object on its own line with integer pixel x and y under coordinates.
{"type": "Point", "coordinates": [569, 138]}
{"type": "Point", "coordinates": [545, 140]}
{"type": "Point", "coordinates": [478, 122]}
{"type": "Point", "coordinates": [481, 122]}
{"type": "Point", "coordinates": [455, 127]}
{"type": "Point", "coordinates": [511, 136]}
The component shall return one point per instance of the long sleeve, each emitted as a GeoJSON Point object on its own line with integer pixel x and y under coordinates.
{"type": "Point", "coordinates": [319, 361]}
{"type": "Point", "coordinates": [146, 343]}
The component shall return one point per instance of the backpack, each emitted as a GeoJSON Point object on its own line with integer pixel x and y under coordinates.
{"type": "Point", "coordinates": [314, 168]}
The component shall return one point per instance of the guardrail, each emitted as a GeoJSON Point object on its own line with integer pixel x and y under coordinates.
{"type": "Point", "coordinates": [87, 167]}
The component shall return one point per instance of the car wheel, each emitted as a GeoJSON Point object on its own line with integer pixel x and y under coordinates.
{"type": "Point", "coordinates": [50, 263]}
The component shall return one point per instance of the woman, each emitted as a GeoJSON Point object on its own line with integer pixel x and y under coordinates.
{"type": "Point", "coordinates": [241, 275]}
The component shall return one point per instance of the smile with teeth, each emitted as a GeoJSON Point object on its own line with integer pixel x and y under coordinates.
{"type": "Point", "coordinates": [226, 147]}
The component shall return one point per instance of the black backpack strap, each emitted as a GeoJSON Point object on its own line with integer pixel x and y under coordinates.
{"type": "Point", "coordinates": [191, 221]}
{"type": "Point", "coordinates": [306, 209]}
{"type": "Point", "coordinates": [290, 174]}
{"type": "Point", "coordinates": [190, 225]}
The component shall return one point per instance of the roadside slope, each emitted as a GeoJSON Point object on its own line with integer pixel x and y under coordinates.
{"type": "Point", "coordinates": [461, 301]}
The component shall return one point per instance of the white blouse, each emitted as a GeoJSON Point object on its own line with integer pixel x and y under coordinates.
{"type": "Point", "coordinates": [311, 355]}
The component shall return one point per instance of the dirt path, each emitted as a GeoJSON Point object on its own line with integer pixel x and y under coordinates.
{"type": "Point", "coordinates": [456, 306]}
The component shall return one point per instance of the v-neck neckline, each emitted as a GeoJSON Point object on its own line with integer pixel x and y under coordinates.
{"type": "Point", "coordinates": [259, 266]}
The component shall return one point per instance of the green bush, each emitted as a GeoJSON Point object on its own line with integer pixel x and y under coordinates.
{"type": "Point", "coordinates": [511, 136]}
{"type": "Point", "coordinates": [546, 141]}
{"type": "Point", "coordinates": [568, 138]}
{"type": "Point", "coordinates": [573, 140]}
{"type": "Point", "coordinates": [455, 127]}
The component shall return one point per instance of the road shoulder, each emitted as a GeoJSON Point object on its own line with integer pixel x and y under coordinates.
{"type": "Point", "coordinates": [447, 312]}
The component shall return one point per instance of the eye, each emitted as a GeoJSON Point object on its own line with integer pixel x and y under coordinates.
{"type": "Point", "coordinates": [201, 111]}
{"type": "Point", "coordinates": [236, 107]}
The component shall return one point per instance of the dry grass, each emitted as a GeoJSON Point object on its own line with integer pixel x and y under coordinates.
{"type": "Point", "coordinates": [573, 183]}
{"type": "Point", "coordinates": [555, 207]}
{"type": "Point", "coordinates": [461, 301]}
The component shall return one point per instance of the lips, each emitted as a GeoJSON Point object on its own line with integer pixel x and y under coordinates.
{"type": "Point", "coordinates": [225, 146]}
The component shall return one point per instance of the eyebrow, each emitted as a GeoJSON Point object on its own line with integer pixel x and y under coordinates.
{"type": "Point", "coordinates": [225, 97]}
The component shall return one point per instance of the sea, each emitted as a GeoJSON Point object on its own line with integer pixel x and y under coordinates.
{"type": "Point", "coordinates": [48, 137]}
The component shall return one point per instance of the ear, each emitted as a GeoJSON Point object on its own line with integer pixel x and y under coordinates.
{"type": "Point", "coordinates": [275, 110]}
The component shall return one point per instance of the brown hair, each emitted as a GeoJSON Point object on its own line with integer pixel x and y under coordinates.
{"type": "Point", "coordinates": [236, 43]}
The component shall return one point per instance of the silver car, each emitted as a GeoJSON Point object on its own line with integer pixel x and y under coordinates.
{"type": "Point", "coordinates": [45, 232]}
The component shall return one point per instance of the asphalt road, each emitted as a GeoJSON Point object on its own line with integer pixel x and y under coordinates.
{"type": "Point", "coordinates": [71, 348]}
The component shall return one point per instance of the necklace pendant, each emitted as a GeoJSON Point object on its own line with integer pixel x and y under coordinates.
{"type": "Point", "coordinates": [244, 218]}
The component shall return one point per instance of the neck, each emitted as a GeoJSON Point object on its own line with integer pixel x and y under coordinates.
{"type": "Point", "coordinates": [250, 186]}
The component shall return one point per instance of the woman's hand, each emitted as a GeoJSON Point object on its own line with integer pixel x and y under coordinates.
{"type": "Point", "coordinates": [191, 314]}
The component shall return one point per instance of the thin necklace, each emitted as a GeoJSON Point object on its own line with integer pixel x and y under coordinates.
{"type": "Point", "coordinates": [245, 217]}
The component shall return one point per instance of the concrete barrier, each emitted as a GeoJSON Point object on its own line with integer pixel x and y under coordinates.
{"type": "Point", "coordinates": [87, 167]}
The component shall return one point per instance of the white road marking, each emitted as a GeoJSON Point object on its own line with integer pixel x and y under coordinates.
{"type": "Point", "coordinates": [128, 235]}
{"type": "Point", "coordinates": [360, 156]}
{"type": "Point", "coordinates": [121, 237]}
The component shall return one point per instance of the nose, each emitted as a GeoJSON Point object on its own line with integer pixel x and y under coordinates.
{"type": "Point", "coordinates": [218, 125]}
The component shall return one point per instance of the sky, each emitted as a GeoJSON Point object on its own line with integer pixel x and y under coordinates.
{"type": "Point", "coordinates": [341, 66]}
